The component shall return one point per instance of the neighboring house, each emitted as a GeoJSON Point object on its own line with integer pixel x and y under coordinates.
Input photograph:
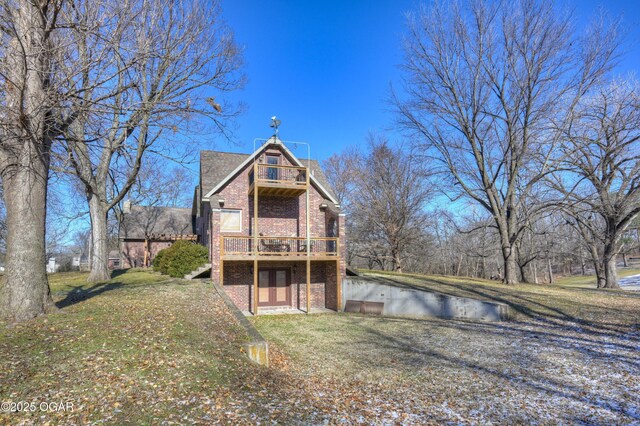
{"type": "Point", "coordinates": [80, 262]}
{"type": "Point", "coordinates": [271, 222]}
{"type": "Point", "coordinates": [114, 261]}
{"type": "Point", "coordinates": [52, 266]}
{"type": "Point", "coordinates": [146, 230]}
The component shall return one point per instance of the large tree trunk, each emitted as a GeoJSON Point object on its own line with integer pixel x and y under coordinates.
{"type": "Point", "coordinates": [396, 260]}
{"type": "Point", "coordinates": [610, 271]}
{"type": "Point", "coordinates": [26, 291]}
{"type": "Point", "coordinates": [25, 156]}
{"type": "Point", "coordinates": [598, 267]}
{"type": "Point", "coordinates": [99, 240]}
{"type": "Point", "coordinates": [510, 265]}
{"type": "Point", "coordinates": [510, 271]}
{"type": "Point", "coordinates": [508, 248]}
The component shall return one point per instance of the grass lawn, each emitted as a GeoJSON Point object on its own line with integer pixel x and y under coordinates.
{"type": "Point", "coordinates": [145, 349]}
{"type": "Point", "coordinates": [571, 356]}
{"type": "Point", "coordinates": [589, 281]}
{"type": "Point", "coordinates": [138, 349]}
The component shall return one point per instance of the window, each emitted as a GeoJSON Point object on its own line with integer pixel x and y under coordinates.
{"type": "Point", "coordinates": [231, 220]}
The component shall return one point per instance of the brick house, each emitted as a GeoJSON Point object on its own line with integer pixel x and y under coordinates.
{"type": "Point", "coordinates": [273, 227]}
{"type": "Point", "coordinates": [271, 222]}
{"type": "Point", "coordinates": [145, 230]}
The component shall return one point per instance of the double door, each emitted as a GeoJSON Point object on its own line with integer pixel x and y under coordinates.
{"type": "Point", "coordinates": [274, 287]}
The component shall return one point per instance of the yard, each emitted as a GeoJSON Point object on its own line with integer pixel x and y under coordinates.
{"type": "Point", "coordinates": [144, 349]}
{"type": "Point", "coordinates": [572, 355]}
{"type": "Point", "coordinates": [138, 349]}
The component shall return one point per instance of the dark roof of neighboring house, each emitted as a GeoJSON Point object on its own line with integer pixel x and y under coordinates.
{"type": "Point", "coordinates": [216, 165]}
{"type": "Point", "coordinates": [144, 221]}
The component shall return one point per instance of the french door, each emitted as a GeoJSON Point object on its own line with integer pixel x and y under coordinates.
{"type": "Point", "coordinates": [274, 287]}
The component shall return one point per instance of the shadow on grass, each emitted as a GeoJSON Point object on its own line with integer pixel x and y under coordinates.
{"type": "Point", "coordinates": [552, 386]}
{"type": "Point", "coordinates": [117, 272]}
{"type": "Point", "coordinates": [79, 293]}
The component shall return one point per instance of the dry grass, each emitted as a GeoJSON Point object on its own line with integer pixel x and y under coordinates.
{"type": "Point", "coordinates": [589, 281]}
{"type": "Point", "coordinates": [138, 349]}
{"type": "Point", "coordinates": [571, 356]}
{"type": "Point", "coordinates": [141, 349]}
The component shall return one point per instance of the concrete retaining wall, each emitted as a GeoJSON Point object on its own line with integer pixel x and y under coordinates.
{"type": "Point", "coordinates": [404, 299]}
{"type": "Point", "coordinates": [257, 348]}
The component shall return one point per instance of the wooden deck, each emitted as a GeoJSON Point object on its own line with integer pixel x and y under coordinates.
{"type": "Point", "coordinates": [263, 257]}
{"type": "Point", "coordinates": [278, 248]}
{"type": "Point", "coordinates": [276, 180]}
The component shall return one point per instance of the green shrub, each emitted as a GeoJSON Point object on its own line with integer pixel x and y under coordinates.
{"type": "Point", "coordinates": [158, 260]}
{"type": "Point", "coordinates": [181, 258]}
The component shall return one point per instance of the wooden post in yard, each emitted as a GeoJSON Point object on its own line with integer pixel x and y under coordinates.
{"type": "Point", "coordinates": [146, 252]}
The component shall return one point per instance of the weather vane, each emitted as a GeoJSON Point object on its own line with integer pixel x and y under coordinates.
{"type": "Point", "coordinates": [275, 123]}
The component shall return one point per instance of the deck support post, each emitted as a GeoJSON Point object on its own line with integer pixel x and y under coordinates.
{"type": "Point", "coordinates": [308, 285]}
{"type": "Point", "coordinates": [308, 235]}
{"type": "Point", "coordinates": [339, 287]}
{"type": "Point", "coordinates": [255, 240]}
{"type": "Point", "coordinates": [255, 287]}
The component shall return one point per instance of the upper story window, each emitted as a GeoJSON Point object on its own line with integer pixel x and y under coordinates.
{"type": "Point", "coordinates": [230, 220]}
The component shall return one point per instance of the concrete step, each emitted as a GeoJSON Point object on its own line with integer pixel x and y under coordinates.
{"type": "Point", "coordinates": [198, 271]}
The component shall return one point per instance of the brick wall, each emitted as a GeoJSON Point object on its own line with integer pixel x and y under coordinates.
{"type": "Point", "coordinates": [278, 216]}
{"type": "Point", "coordinates": [133, 252]}
{"type": "Point", "coordinates": [238, 283]}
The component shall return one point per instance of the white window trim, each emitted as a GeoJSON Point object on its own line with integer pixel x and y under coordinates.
{"type": "Point", "coordinates": [231, 210]}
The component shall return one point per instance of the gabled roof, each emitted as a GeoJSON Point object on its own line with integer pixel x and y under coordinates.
{"type": "Point", "coordinates": [218, 168]}
{"type": "Point", "coordinates": [144, 221]}
{"type": "Point", "coordinates": [215, 166]}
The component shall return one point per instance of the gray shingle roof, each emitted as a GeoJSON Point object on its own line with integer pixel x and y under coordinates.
{"type": "Point", "coordinates": [216, 165]}
{"type": "Point", "coordinates": [144, 221]}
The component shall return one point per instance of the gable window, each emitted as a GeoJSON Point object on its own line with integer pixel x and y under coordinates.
{"type": "Point", "coordinates": [230, 220]}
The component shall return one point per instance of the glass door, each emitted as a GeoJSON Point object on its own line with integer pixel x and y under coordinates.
{"type": "Point", "coordinates": [274, 287]}
{"type": "Point", "coordinates": [272, 172]}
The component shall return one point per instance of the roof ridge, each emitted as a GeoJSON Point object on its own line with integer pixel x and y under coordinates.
{"type": "Point", "coordinates": [223, 152]}
{"type": "Point", "coordinates": [160, 207]}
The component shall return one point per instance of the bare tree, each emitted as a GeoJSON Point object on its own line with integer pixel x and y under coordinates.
{"type": "Point", "coordinates": [154, 186]}
{"type": "Point", "coordinates": [340, 171]}
{"type": "Point", "coordinates": [484, 83]}
{"type": "Point", "coordinates": [3, 225]}
{"type": "Point", "coordinates": [151, 70]}
{"type": "Point", "coordinates": [389, 199]}
{"type": "Point", "coordinates": [28, 127]}
{"type": "Point", "coordinates": [600, 179]}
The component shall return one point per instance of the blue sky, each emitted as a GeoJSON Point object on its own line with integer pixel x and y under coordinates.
{"type": "Point", "coordinates": [324, 67]}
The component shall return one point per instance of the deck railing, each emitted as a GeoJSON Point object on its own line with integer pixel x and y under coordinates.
{"type": "Point", "coordinates": [276, 174]}
{"type": "Point", "coordinates": [278, 246]}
